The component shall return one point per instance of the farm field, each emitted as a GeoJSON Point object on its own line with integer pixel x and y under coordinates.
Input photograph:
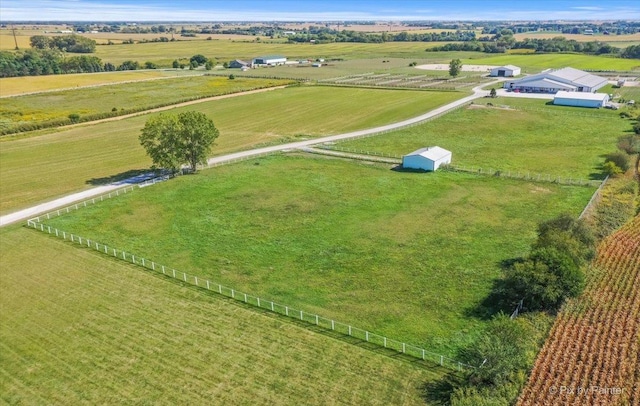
{"type": "Point", "coordinates": [401, 254]}
{"type": "Point", "coordinates": [38, 108]}
{"type": "Point", "coordinates": [615, 40]}
{"type": "Point", "coordinates": [32, 84]}
{"type": "Point", "coordinates": [527, 136]}
{"type": "Point", "coordinates": [534, 63]}
{"type": "Point", "coordinates": [42, 165]}
{"type": "Point", "coordinates": [595, 341]}
{"type": "Point", "coordinates": [82, 329]}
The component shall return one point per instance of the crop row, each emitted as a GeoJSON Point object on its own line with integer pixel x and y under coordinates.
{"type": "Point", "coordinates": [592, 355]}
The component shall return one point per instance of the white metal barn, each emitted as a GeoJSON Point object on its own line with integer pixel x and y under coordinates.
{"type": "Point", "coordinates": [428, 159]}
{"type": "Point", "coordinates": [270, 60]}
{"type": "Point", "coordinates": [579, 99]}
{"type": "Point", "coordinates": [505, 71]}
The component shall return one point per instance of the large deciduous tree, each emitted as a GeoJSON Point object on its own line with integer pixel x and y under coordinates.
{"type": "Point", "coordinates": [175, 140]}
{"type": "Point", "coordinates": [455, 67]}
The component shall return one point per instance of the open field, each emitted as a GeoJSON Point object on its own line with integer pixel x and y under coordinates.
{"type": "Point", "coordinates": [595, 341]}
{"type": "Point", "coordinates": [615, 40]}
{"type": "Point", "coordinates": [54, 163]}
{"type": "Point", "coordinates": [31, 84]}
{"type": "Point", "coordinates": [82, 329]}
{"type": "Point", "coordinates": [533, 63]}
{"type": "Point", "coordinates": [530, 136]}
{"type": "Point", "coordinates": [131, 96]}
{"type": "Point", "coordinates": [404, 255]}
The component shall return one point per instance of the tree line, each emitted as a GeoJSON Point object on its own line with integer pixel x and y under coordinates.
{"type": "Point", "coordinates": [558, 44]}
{"type": "Point", "coordinates": [35, 62]}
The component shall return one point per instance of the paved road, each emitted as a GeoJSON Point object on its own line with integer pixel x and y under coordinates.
{"type": "Point", "coordinates": [67, 200]}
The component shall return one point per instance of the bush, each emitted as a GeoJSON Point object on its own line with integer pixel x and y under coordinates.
{"type": "Point", "coordinates": [620, 159]}
{"type": "Point", "coordinates": [232, 76]}
{"type": "Point", "coordinates": [74, 117]}
{"type": "Point", "coordinates": [611, 169]}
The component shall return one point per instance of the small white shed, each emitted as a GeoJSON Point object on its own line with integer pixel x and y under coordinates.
{"type": "Point", "coordinates": [428, 159]}
{"type": "Point", "coordinates": [580, 99]}
{"type": "Point", "coordinates": [505, 71]}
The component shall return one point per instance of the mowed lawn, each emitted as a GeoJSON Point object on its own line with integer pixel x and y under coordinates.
{"type": "Point", "coordinates": [77, 328]}
{"type": "Point", "coordinates": [536, 62]}
{"type": "Point", "coordinates": [405, 255]}
{"type": "Point", "coordinates": [519, 135]}
{"type": "Point", "coordinates": [54, 163]}
{"type": "Point", "coordinates": [129, 96]}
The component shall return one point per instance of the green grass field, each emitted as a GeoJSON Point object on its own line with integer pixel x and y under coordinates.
{"type": "Point", "coordinates": [97, 100]}
{"type": "Point", "coordinates": [533, 63]}
{"type": "Point", "coordinates": [30, 84]}
{"type": "Point", "coordinates": [54, 163]}
{"type": "Point", "coordinates": [400, 254]}
{"type": "Point", "coordinates": [76, 328]}
{"type": "Point", "coordinates": [530, 137]}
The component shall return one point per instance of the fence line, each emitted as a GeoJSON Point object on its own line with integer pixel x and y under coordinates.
{"type": "Point", "coordinates": [595, 196]}
{"type": "Point", "coordinates": [291, 312]}
{"type": "Point", "coordinates": [535, 177]}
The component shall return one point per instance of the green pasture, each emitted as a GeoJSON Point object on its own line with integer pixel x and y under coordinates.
{"type": "Point", "coordinates": [624, 92]}
{"type": "Point", "coordinates": [34, 84]}
{"type": "Point", "coordinates": [517, 135]}
{"type": "Point", "coordinates": [77, 328]}
{"type": "Point", "coordinates": [164, 53]}
{"type": "Point", "coordinates": [406, 255]}
{"type": "Point", "coordinates": [40, 166]}
{"type": "Point", "coordinates": [129, 96]}
{"type": "Point", "coordinates": [534, 63]}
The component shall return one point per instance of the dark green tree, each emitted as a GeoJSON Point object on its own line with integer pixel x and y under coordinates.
{"type": "Point", "coordinates": [493, 94]}
{"type": "Point", "coordinates": [174, 140]}
{"type": "Point", "coordinates": [455, 67]}
{"type": "Point", "coordinates": [198, 59]}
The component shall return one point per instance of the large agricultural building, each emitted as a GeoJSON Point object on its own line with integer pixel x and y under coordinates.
{"type": "Point", "coordinates": [270, 60]}
{"type": "Point", "coordinates": [427, 159]}
{"type": "Point", "coordinates": [553, 81]}
{"type": "Point", "coordinates": [580, 99]}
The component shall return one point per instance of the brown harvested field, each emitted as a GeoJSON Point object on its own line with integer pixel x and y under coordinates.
{"type": "Point", "coordinates": [592, 354]}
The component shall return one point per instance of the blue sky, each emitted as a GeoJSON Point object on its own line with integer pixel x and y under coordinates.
{"type": "Point", "coordinates": [315, 10]}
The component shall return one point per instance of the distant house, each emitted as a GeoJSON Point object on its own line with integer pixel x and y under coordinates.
{"type": "Point", "coordinates": [579, 99]}
{"type": "Point", "coordinates": [238, 64]}
{"type": "Point", "coordinates": [428, 159]}
{"type": "Point", "coordinates": [553, 81]}
{"type": "Point", "coordinates": [270, 60]}
{"type": "Point", "coordinates": [505, 71]}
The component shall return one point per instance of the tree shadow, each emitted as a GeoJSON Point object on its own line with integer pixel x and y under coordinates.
{"type": "Point", "coordinates": [439, 392]}
{"type": "Point", "coordinates": [499, 298]}
{"type": "Point", "coordinates": [130, 176]}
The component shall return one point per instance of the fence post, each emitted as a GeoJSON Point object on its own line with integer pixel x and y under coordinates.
{"type": "Point", "coordinates": [349, 330]}
{"type": "Point", "coordinates": [441, 360]}
{"type": "Point", "coordinates": [196, 278]}
{"type": "Point", "coordinates": [208, 285]}
{"type": "Point", "coordinates": [184, 276]}
{"type": "Point", "coordinates": [404, 348]}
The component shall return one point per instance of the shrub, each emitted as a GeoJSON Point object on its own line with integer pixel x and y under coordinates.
{"type": "Point", "coordinates": [74, 117]}
{"type": "Point", "coordinates": [232, 76]}
{"type": "Point", "coordinates": [611, 169]}
{"type": "Point", "coordinates": [620, 159]}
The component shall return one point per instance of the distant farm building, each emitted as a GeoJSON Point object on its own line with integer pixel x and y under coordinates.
{"type": "Point", "coordinates": [428, 159]}
{"type": "Point", "coordinates": [578, 99]}
{"type": "Point", "coordinates": [271, 60]}
{"type": "Point", "coordinates": [505, 71]}
{"type": "Point", "coordinates": [553, 81]}
{"type": "Point", "coordinates": [238, 64]}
